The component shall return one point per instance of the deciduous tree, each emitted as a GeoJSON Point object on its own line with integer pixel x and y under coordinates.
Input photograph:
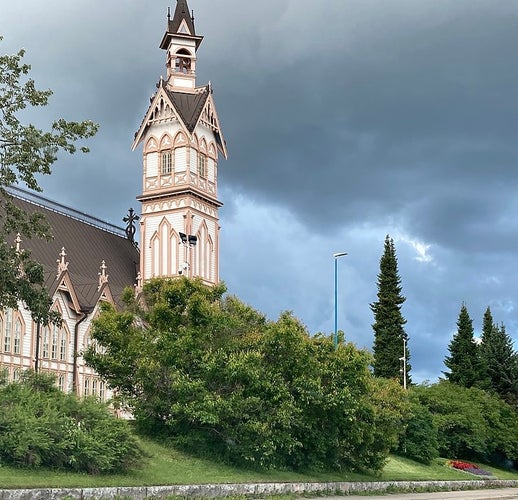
{"type": "Point", "coordinates": [26, 152]}
{"type": "Point", "coordinates": [217, 377]}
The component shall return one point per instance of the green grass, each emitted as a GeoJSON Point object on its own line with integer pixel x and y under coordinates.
{"type": "Point", "coordinates": [167, 466]}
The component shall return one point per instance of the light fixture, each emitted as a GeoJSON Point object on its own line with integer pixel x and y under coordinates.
{"type": "Point", "coordinates": [335, 256]}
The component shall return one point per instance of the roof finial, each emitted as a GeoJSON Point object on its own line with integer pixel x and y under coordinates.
{"type": "Point", "coordinates": [130, 219]}
{"type": "Point", "coordinates": [192, 16]}
{"type": "Point", "coordinates": [103, 277]}
{"type": "Point", "coordinates": [62, 265]}
{"type": "Point", "coordinates": [169, 14]}
{"type": "Point", "coordinates": [18, 241]}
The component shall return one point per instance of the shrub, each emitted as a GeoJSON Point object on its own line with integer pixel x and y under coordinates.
{"type": "Point", "coordinates": [419, 438]}
{"type": "Point", "coordinates": [42, 426]}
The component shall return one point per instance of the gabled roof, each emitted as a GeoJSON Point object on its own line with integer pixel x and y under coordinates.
{"type": "Point", "coordinates": [188, 107]}
{"type": "Point", "coordinates": [86, 247]}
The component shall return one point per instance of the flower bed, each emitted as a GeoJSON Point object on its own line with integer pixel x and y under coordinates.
{"type": "Point", "coordinates": [468, 467]}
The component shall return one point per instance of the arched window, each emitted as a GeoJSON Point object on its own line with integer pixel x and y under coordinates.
{"type": "Point", "coordinates": [183, 62]}
{"type": "Point", "coordinates": [17, 344]}
{"type": "Point", "coordinates": [166, 156]}
{"type": "Point", "coordinates": [54, 345]}
{"type": "Point", "coordinates": [45, 344]}
{"type": "Point", "coordinates": [61, 383]}
{"type": "Point", "coordinates": [8, 330]}
{"type": "Point", "coordinates": [63, 346]}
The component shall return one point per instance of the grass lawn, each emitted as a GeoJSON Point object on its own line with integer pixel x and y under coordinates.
{"type": "Point", "coordinates": [167, 466]}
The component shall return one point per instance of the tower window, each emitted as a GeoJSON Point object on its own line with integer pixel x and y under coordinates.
{"type": "Point", "coordinates": [167, 162]}
{"type": "Point", "coordinates": [202, 165]}
{"type": "Point", "coordinates": [183, 65]}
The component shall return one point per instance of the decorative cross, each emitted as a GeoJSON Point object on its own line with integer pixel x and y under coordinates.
{"type": "Point", "coordinates": [130, 219]}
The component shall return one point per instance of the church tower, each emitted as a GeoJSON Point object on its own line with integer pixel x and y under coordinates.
{"type": "Point", "coordinates": [182, 139]}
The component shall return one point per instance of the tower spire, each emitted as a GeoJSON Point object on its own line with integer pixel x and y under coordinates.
{"type": "Point", "coordinates": [181, 43]}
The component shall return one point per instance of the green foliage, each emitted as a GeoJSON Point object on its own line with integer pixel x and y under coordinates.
{"type": "Point", "coordinates": [25, 153]}
{"type": "Point", "coordinates": [42, 426]}
{"type": "Point", "coordinates": [500, 363]}
{"type": "Point", "coordinates": [216, 377]}
{"type": "Point", "coordinates": [389, 333]}
{"type": "Point", "coordinates": [419, 440]}
{"type": "Point", "coordinates": [466, 368]}
{"type": "Point", "coordinates": [471, 423]}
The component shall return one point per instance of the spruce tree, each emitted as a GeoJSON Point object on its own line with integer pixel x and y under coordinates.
{"type": "Point", "coordinates": [390, 338]}
{"type": "Point", "coordinates": [463, 361]}
{"type": "Point", "coordinates": [502, 364]}
{"type": "Point", "coordinates": [487, 330]}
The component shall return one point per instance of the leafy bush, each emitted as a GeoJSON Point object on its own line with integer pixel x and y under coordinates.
{"type": "Point", "coordinates": [215, 376]}
{"type": "Point", "coordinates": [42, 426]}
{"type": "Point", "coordinates": [419, 440]}
{"type": "Point", "coordinates": [472, 424]}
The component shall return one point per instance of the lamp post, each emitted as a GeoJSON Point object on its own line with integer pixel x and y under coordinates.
{"type": "Point", "coordinates": [336, 256]}
{"type": "Point", "coordinates": [403, 358]}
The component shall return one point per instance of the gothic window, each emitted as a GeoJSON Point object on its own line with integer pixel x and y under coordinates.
{"type": "Point", "coordinates": [16, 375]}
{"type": "Point", "coordinates": [166, 160]}
{"type": "Point", "coordinates": [8, 330]}
{"type": "Point", "coordinates": [54, 345]}
{"type": "Point", "coordinates": [94, 387]}
{"type": "Point", "coordinates": [63, 347]}
{"type": "Point", "coordinates": [202, 165]}
{"type": "Point", "coordinates": [61, 383]}
{"type": "Point", "coordinates": [45, 343]}
{"type": "Point", "coordinates": [17, 337]}
{"type": "Point", "coordinates": [101, 390]}
{"type": "Point", "coordinates": [87, 387]}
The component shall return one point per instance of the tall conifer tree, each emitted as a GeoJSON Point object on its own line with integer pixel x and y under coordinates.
{"type": "Point", "coordinates": [488, 327]}
{"type": "Point", "coordinates": [501, 363]}
{"type": "Point", "coordinates": [390, 338]}
{"type": "Point", "coordinates": [463, 361]}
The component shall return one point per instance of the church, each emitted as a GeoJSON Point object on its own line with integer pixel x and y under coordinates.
{"type": "Point", "coordinates": [89, 261]}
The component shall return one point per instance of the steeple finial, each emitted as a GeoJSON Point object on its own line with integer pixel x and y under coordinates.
{"type": "Point", "coordinates": [103, 277]}
{"type": "Point", "coordinates": [62, 265]}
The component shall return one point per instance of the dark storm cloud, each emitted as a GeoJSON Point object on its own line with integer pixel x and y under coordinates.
{"type": "Point", "coordinates": [345, 120]}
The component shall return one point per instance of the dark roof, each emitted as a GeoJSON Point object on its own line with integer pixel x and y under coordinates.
{"type": "Point", "coordinates": [86, 247]}
{"type": "Point", "coordinates": [188, 105]}
{"type": "Point", "coordinates": [181, 13]}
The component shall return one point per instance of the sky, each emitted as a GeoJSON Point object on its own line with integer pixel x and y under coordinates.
{"type": "Point", "coordinates": [345, 121]}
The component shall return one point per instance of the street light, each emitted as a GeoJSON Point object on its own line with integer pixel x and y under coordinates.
{"type": "Point", "coordinates": [335, 256]}
{"type": "Point", "coordinates": [403, 358]}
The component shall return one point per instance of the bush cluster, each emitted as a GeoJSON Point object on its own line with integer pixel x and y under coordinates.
{"type": "Point", "coordinates": [42, 426]}
{"type": "Point", "coordinates": [215, 376]}
{"type": "Point", "coordinates": [459, 422]}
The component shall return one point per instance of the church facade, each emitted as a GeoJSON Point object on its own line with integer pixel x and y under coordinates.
{"type": "Point", "coordinates": [89, 261]}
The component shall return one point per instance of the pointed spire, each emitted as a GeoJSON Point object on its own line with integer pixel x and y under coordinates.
{"type": "Point", "coordinates": [62, 265]}
{"type": "Point", "coordinates": [181, 14]}
{"type": "Point", "coordinates": [181, 25]}
{"type": "Point", "coordinates": [18, 242]}
{"type": "Point", "coordinates": [103, 277]}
